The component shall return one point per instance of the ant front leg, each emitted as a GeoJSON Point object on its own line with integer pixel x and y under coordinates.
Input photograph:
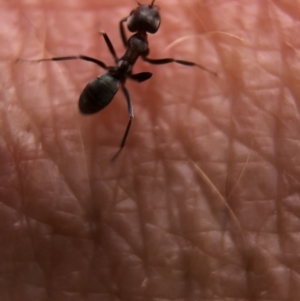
{"type": "Point", "coordinates": [109, 45]}
{"type": "Point", "coordinates": [122, 32]}
{"type": "Point", "coordinates": [181, 62]}
{"type": "Point", "coordinates": [130, 112]}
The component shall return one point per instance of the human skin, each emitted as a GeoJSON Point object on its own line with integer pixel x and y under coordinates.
{"type": "Point", "coordinates": [203, 202]}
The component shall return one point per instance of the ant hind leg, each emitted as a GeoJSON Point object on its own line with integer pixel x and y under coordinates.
{"type": "Point", "coordinates": [131, 115]}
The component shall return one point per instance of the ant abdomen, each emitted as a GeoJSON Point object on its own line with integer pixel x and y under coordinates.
{"type": "Point", "coordinates": [98, 93]}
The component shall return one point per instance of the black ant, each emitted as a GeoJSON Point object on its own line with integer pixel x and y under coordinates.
{"type": "Point", "coordinates": [101, 90]}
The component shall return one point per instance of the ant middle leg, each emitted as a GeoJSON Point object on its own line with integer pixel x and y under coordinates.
{"type": "Point", "coordinates": [66, 58]}
{"type": "Point", "coordinates": [131, 115]}
{"type": "Point", "coordinates": [181, 62]}
{"type": "Point", "coordinates": [140, 77]}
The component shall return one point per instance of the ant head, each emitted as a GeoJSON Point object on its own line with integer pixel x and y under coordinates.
{"type": "Point", "coordinates": [144, 17]}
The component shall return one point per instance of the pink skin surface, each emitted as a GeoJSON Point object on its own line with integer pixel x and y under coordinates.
{"type": "Point", "coordinates": [203, 202]}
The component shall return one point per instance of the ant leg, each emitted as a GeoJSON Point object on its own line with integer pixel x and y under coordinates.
{"type": "Point", "coordinates": [140, 77]}
{"type": "Point", "coordinates": [130, 112]}
{"type": "Point", "coordinates": [181, 62]}
{"type": "Point", "coordinates": [122, 32]}
{"type": "Point", "coordinates": [65, 58]}
{"type": "Point", "coordinates": [109, 45]}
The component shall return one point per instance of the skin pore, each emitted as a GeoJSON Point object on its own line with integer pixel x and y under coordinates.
{"type": "Point", "coordinates": [202, 203]}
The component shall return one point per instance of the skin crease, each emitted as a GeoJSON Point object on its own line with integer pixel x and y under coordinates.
{"type": "Point", "coordinates": [202, 203]}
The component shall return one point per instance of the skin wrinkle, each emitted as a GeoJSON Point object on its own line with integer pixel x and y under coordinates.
{"type": "Point", "coordinates": [189, 245]}
{"type": "Point", "coordinates": [47, 149]}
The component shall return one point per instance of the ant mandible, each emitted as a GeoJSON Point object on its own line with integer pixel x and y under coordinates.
{"type": "Point", "coordinates": [100, 91]}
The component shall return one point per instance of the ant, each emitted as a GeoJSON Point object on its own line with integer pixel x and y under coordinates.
{"type": "Point", "coordinates": [100, 91]}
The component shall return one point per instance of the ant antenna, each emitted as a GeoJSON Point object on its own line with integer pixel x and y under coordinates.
{"type": "Point", "coordinates": [152, 3]}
